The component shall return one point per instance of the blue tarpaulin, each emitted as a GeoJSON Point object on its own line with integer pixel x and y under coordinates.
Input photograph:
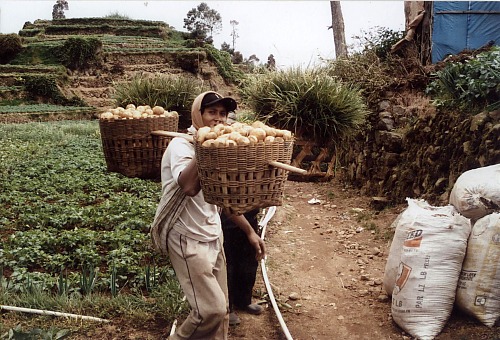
{"type": "Point", "coordinates": [460, 25]}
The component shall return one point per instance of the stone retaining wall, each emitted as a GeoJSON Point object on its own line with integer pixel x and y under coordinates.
{"type": "Point", "coordinates": [418, 152]}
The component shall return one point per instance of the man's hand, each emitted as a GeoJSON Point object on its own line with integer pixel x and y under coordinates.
{"type": "Point", "coordinates": [254, 239]}
{"type": "Point", "coordinates": [258, 244]}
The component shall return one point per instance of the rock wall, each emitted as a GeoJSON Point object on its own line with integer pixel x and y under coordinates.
{"type": "Point", "coordinates": [409, 149]}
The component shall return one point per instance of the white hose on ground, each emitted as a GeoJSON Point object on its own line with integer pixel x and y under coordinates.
{"type": "Point", "coordinates": [48, 312]}
{"type": "Point", "coordinates": [174, 326]}
{"type": "Point", "coordinates": [263, 223]}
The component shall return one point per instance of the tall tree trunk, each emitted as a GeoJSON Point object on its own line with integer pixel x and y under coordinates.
{"type": "Point", "coordinates": [338, 29]}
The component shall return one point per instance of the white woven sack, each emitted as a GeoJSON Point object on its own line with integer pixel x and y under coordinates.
{"type": "Point", "coordinates": [478, 292]}
{"type": "Point", "coordinates": [402, 224]}
{"type": "Point", "coordinates": [431, 260]}
{"type": "Point", "coordinates": [476, 193]}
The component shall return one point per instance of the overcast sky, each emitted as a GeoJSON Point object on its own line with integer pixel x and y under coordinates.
{"type": "Point", "coordinates": [295, 32]}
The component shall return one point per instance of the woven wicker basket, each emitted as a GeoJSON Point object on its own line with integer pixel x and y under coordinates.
{"type": "Point", "coordinates": [130, 148]}
{"type": "Point", "coordinates": [239, 178]}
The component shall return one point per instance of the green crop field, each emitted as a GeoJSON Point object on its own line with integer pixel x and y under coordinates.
{"type": "Point", "coordinates": [72, 230]}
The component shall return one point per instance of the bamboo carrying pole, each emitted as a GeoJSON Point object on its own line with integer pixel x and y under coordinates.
{"type": "Point", "coordinates": [48, 312]}
{"type": "Point", "coordinates": [189, 138]}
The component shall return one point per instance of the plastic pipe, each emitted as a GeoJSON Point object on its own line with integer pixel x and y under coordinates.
{"type": "Point", "coordinates": [263, 223]}
{"type": "Point", "coordinates": [48, 312]}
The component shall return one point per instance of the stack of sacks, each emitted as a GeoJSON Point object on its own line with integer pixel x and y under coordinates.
{"type": "Point", "coordinates": [424, 265]}
{"type": "Point", "coordinates": [476, 194]}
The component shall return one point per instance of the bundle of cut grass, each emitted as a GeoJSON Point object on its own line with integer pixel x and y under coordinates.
{"type": "Point", "coordinates": [312, 104]}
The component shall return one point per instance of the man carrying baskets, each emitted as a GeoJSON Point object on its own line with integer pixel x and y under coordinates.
{"type": "Point", "coordinates": [188, 229]}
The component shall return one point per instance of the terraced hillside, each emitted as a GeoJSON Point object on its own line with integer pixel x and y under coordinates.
{"type": "Point", "coordinates": [128, 48]}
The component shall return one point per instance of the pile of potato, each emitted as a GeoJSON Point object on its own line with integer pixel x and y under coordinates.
{"type": "Point", "coordinates": [240, 134]}
{"type": "Point", "coordinates": [141, 111]}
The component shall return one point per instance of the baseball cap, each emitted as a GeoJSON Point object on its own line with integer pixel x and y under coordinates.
{"type": "Point", "coordinates": [213, 98]}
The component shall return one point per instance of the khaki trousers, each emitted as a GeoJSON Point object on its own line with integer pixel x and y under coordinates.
{"type": "Point", "coordinates": [201, 270]}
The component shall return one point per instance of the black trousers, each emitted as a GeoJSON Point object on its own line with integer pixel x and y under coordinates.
{"type": "Point", "coordinates": [241, 263]}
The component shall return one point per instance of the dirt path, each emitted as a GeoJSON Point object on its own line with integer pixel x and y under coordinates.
{"type": "Point", "coordinates": [326, 263]}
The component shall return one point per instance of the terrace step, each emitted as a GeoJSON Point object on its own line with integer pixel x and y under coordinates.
{"type": "Point", "coordinates": [124, 58]}
{"type": "Point", "coordinates": [35, 69]}
{"type": "Point", "coordinates": [101, 104]}
{"type": "Point", "coordinates": [153, 68]}
{"type": "Point", "coordinates": [134, 44]}
{"type": "Point", "coordinates": [11, 92]}
{"type": "Point", "coordinates": [30, 113]}
{"type": "Point", "coordinates": [99, 97]}
{"type": "Point", "coordinates": [91, 81]}
{"type": "Point", "coordinates": [96, 92]}
{"type": "Point", "coordinates": [93, 22]}
{"type": "Point", "coordinates": [15, 79]}
{"type": "Point", "coordinates": [108, 41]}
{"type": "Point", "coordinates": [95, 26]}
{"type": "Point", "coordinates": [9, 79]}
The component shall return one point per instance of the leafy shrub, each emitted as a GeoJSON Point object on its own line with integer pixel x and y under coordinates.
{"type": "Point", "coordinates": [45, 86]}
{"type": "Point", "coordinates": [81, 53]}
{"type": "Point", "coordinates": [59, 8]}
{"type": "Point", "coordinates": [379, 40]}
{"type": "Point", "coordinates": [10, 46]}
{"type": "Point", "coordinates": [364, 70]}
{"type": "Point", "coordinates": [41, 53]}
{"type": "Point", "coordinates": [224, 64]}
{"type": "Point", "coordinates": [30, 32]}
{"type": "Point", "coordinates": [370, 65]}
{"type": "Point", "coordinates": [190, 60]}
{"type": "Point", "coordinates": [237, 57]}
{"type": "Point", "coordinates": [117, 15]}
{"type": "Point", "coordinates": [472, 85]}
{"type": "Point", "coordinates": [173, 93]}
{"type": "Point", "coordinates": [311, 103]}
{"type": "Point", "coordinates": [42, 86]}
